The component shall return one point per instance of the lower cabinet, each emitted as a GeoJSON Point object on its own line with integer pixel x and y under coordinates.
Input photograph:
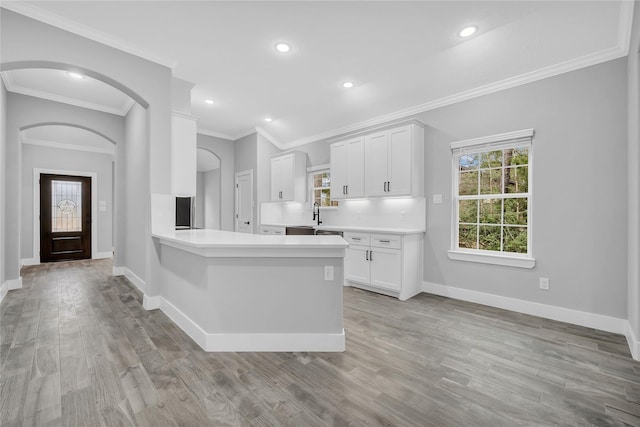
{"type": "Point", "coordinates": [390, 264]}
{"type": "Point", "coordinates": [272, 229]}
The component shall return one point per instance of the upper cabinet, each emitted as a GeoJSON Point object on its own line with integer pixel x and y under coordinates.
{"type": "Point", "coordinates": [289, 177]}
{"type": "Point", "coordinates": [386, 163]}
{"type": "Point", "coordinates": [347, 169]}
{"type": "Point", "coordinates": [183, 155]}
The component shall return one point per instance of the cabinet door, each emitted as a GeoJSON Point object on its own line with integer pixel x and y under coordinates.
{"type": "Point", "coordinates": [338, 152]}
{"type": "Point", "coordinates": [276, 179]}
{"type": "Point", "coordinates": [356, 265]}
{"type": "Point", "coordinates": [400, 162]}
{"type": "Point", "coordinates": [355, 167]}
{"type": "Point", "coordinates": [386, 268]}
{"type": "Point", "coordinates": [375, 161]}
{"type": "Point", "coordinates": [287, 177]}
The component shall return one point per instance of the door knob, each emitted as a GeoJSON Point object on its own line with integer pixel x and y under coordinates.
{"type": "Point", "coordinates": [247, 222]}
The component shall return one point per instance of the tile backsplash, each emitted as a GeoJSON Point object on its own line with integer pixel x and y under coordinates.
{"type": "Point", "coordinates": [387, 212]}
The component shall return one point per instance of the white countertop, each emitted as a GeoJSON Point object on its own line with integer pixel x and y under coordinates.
{"type": "Point", "coordinates": [360, 228]}
{"type": "Point", "coordinates": [227, 239]}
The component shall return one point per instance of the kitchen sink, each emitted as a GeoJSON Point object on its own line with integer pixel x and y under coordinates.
{"type": "Point", "coordinates": [309, 230]}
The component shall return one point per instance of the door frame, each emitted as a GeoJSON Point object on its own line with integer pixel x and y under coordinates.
{"type": "Point", "coordinates": [235, 191]}
{"type": "Point", "coordinates": [36, 210]}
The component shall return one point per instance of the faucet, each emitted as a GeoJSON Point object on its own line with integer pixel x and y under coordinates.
{"type": "Point", "coordinates": [316, 212]}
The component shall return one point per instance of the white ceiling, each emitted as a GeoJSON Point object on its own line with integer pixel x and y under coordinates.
{"type": "Point", "coordinates": [67, 137]}
{"type": "Point", "coordinates": [56, 85]}
{"type": "Point", "coordinates": [404, 57]}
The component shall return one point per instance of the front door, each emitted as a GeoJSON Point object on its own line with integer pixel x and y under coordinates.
{"type": "Point", "coordinates": [65, 217]}
{"type": "Point", "coordinates": [244, 202]}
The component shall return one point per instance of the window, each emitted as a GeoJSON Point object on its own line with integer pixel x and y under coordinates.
{"type": "Point", "coordinates": [492, 200]}
{"type": "Point", "coordinates": [320, 187]}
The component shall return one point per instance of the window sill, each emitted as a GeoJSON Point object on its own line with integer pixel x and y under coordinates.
{"type": "Point", "coordinates": [486, 258]}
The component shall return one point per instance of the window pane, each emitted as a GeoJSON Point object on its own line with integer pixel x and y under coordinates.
{"type": "Point", "coordinates": [515, 211]}
{"type": "Point", "coordinates": [326, 198]}
{"type": "Point", "coordinates": [516, 156]}
{"type": "Point", "coordinates": [490, 211]}
{"type": "Point", "coordinates": [66, 209]}
{"type": "Point", "coordinates": [468, 183]}
{"type": "Point", "coordinates": [491, 181]}
{"type": "Point", "coordinates": [468, 161]}
{"type": "Point", "coordinates": [468, 211]}
{"type": "Point", "coordinates": [491, 159]}
{"type": "Point", "coordinates": [489, 237]}
{"type": "Point", "coordinates": [467, 236]}
{"type": "Point", "coordinates": [516, 179]}
{"type": "Point", "coordinates": [515, 239]}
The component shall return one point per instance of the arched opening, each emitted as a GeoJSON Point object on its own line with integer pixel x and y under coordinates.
{"type": "Point", "coordinates": [70, 150]}
{"type": "Point", "coordinates": [208, 188]}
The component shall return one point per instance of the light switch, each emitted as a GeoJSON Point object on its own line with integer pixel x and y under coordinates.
{"type": "Point", "coordinates": [437, 198]}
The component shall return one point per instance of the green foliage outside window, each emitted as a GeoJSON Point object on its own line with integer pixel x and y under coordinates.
{"type": "Point", "coordinates": [494, 223]}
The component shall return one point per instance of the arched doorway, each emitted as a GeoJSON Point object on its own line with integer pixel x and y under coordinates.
{"type": "Point", "coordinates": [208, 187]}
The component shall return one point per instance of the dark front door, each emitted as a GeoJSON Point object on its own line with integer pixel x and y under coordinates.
{"type": "Point", "coordinates": [65, 217]}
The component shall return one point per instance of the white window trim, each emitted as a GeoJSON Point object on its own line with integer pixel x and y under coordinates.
{"type": "Point", "coordinates": [483, 144]}
{"type": "Point", "coordinates": [312, 170]}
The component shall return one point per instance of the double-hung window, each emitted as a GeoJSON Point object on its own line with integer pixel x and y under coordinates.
{"type": "Point", "coordinates": [492, 200]}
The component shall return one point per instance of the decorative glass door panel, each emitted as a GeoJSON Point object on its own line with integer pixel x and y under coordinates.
{"type": "Point", "coordinates": [65, 217]}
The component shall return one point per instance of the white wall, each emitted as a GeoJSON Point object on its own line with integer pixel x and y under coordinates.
{"type": "Point", "coordinates": [579, 189]}
{"type": "Point", "coordinates": [68, 160]}
{"type": "Point", "coordinates": [225, 150]}
{"type": "Point", "coordinates": [136, 195]}
{"type": "Point", "coordinates": [3, 181]}
{"type": "Point", "coordinates": [28, 43]}
{"type": "Point", "coordinates": [633, 163]}
{"type": "Point", "coordinates": [200, 200]}
{"type": "Point", "coordinates": [212, 206]}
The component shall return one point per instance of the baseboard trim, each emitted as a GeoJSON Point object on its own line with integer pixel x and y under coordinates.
{"type": "Point", "coordinates": [632, 340]}
{"type": "Point", "coordinates": [118, 271]}
{"type": "Point", "coordinates": [102, 255]}
{"type": "Point", "coordinates": [10, 285]}
{"type": "Point", "coordinates": [268, 342]}
{"type": "Point", "coordinates": [151, 303]}
{"type": "Point", "coordinates": [30, 261]}
{"type": "Point", "coordinates": [131, 276]}
{"type": "Point", "coordinates": [581, 318]}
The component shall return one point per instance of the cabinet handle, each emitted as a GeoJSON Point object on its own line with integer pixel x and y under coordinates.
{"type": "Point", "coordinates": [347, 189]}
{"type": "Point", "coordinates": [384, 241]}
{"type": "Point", "coordinates": [370, 255]}
{"type": "Point", "coordinates": [389, 186]}
{"type": "Point", "coordinates": [343, 189]}
{"type": "Point", "coordinates": [366, 256]}
{"type": "Point", "coordinates": [385, 186]}
{"type": "Point", "coordinates": [356, 238]}
{"type": "Point", "coordinates": [247, 222]}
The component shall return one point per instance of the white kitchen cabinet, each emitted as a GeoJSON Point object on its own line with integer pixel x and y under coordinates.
{"type": "Point", "coordinates": [347, 169]}
{"type": "Point", "coordinates": [393, 162]}
{"type": "Point", "coordinates": [289, 177]}
{"type": "Point", "coordinates": [183, 155]}
{"type": "Point", "coordinates": [390, 264]}
{"type": "Point", "coordinates": [275, 230]}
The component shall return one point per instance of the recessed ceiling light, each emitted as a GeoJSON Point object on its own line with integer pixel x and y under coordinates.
{"type": "Point", "coordinates": [283, 47]}
{"type": "Point", "coordinates": [347, 85]}
{"type": "Point", "coordinates": [468, 31]}
{"type": "Point", "coordinates": [208, 101]}
{"type": "Point", "coordinates": [268, 119]}
{"type": "Point", "coordinates": [75, 75]}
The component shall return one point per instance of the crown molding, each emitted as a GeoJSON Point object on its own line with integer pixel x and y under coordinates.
{"type": "Point", "coordinates": [269, 138]}
{"type": "Point", "coordinates": [42, 15]}
{"type": "Point", "coordinates": [625, 25]}
{"type": "Point", "coordinates": [64, 146]}
{"type": "Point", "coordinates": [244, 133]}
{"type": "Point", "coordinates": [522, 79]}
{"type": "Point", "coordinates": [215, 134]}
{"type": "Point", "coordinates": [11, 87]}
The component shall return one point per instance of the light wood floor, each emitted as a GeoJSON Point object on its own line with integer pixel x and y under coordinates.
{"type": "Point", "coordinates": [78, 349]}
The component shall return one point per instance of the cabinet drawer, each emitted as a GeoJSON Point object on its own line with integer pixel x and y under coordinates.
{"type": "Point", "coordinates": [357, 238]}
{"type": "Point", "coordinates": [266, 229]}
{"type": "Point", "coordinates": [386, 241]}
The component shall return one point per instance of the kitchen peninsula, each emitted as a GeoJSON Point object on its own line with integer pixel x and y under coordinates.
{"type": "Point", "coordinates": [244, 292]}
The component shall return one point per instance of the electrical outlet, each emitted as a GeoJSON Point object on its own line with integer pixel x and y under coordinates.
{"type": "Point", "coordinates": [544, 283]}
{"type": "Point", "coordinates": [437, 198]}
{"type": "Point", "coordinates": [328, 272]}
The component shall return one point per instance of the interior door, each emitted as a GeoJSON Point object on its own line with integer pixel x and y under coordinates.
{"type": "Point", "coordinates": [65, 217]}
{"type": "Point", "coordinates": [244, 197]}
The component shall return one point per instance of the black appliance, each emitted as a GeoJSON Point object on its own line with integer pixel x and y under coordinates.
{"type": "Point", "coordinates": [184, 213]}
